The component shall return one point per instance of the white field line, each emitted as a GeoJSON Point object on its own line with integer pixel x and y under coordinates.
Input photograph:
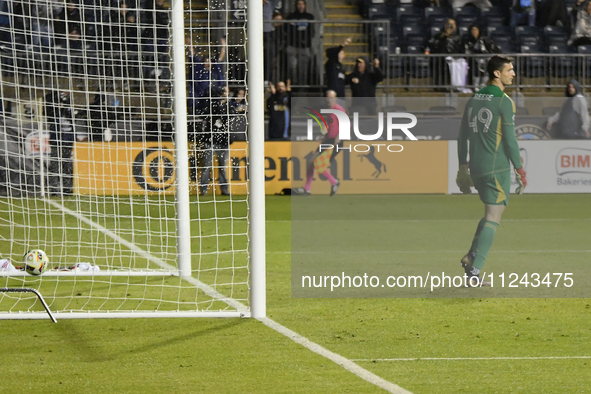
{"type": "Point", "coordinates": [424, 220]}
{"type": "Point", "coordinates": [314, 347]}
{"type": "Point", "coordinates": [430, 251]}
{"type": "Point", "coordinates": [470, 358]}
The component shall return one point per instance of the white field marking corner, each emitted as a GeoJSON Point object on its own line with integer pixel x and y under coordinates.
{"type": "Point", "coordinates": [470, 358]}
{"type": "Point", "coordinates": [314, 347]}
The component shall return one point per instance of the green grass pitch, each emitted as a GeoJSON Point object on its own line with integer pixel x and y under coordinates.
{"type": "Point", "coordinates": [439, 337]}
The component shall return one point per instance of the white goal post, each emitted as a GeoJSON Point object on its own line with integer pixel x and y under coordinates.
{"type": "Point", "coordinates": [126, 154]}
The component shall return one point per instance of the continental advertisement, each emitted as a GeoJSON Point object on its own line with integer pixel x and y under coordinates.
{"type": "Point", "coordinates": [149, 168]}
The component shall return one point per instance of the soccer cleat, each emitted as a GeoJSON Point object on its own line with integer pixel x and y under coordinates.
{"type": "Point", "coordinates": [334, 188]}
{"type": "Point", "coordinates": [467, 262]}
{"type": "Point", "coordinates": [300, 191]}
{"type": "Point", "coordinates": [473, 283]}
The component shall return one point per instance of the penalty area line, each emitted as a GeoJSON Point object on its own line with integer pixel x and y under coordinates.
{"type": "Point", "coordinates": [471, 358]}
{"type": "Point", "coordinates": [297, 338]}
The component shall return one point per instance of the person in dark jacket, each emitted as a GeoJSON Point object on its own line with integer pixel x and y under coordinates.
{"type": "Point", "coordinates": [363, 81]}
{"type": "Point", "coordinates": [299, 45]}
{"type": "Point", "coordinates": [572, 121]}
{"type": "Point", "coordinates": [335, 71]}
{"type": "Point", "coordinates": [447, 42]}
{"type": "Point", "coordinates": [216, 140]}
{"type": "Point", "coordinates": [60, 120]}
{"type": "Point", "coordinates": [479, 44]}
{"type": "Point", "coordinates": [278, 105]}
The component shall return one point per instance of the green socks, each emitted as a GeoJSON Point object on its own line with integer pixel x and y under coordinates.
{"type": "Point", "coordinates": [476, 234]}
{"type": "Point", "coordinates": [483, 240]}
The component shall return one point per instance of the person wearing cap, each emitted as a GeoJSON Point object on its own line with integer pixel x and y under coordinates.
{"type": "Point", "coordinates": [363, 81]}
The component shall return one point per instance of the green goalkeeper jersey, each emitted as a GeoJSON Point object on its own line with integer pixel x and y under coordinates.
{"type": "Point", "coordinates": [489, 125]}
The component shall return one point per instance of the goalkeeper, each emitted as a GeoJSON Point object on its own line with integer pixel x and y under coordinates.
{"type": "Point", "coordinates": [488, 125]}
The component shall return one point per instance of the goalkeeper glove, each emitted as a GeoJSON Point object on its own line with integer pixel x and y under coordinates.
{"type": "Point", "coordinates": [521, 180]}
{"type": "Point", "coordinates": [464, 180]}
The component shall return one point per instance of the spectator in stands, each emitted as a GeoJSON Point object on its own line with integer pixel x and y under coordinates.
{"type": "Point", "coordinates": [523, 12]}
{"type": "Point", "coordinates": [278, 105]}
{"type": "Point", "coordinates": [363, 81]}
{"type": "Point", "coordinates": [448, 42]}
{"type": "Point", "coordinates": [206, 79]}
{"type": "Point", "coordinates": [552, 13]}
{"type": "Point", "coordinates": [124, 44]}
{"type": "Point", "coordinates": [279, 42]}
{"type": "Point", "coordinates": [60, 119]}
{"type": "Point", "coordinates": [432, 3]}
{"type": "Point", "coordinates": [216, 140]}
{"type": "Point", "coordinates": [479, 44]}
{"type": "Point", "coordinates": [238, 122]}
{"type": "Point", "coordinates": [269, 7]}
{"type": "Point", "coordinates": [335, 71]}
{"type": "Point", "coordinates": [578, 6]}
{"type": "Point", "coordinates": [299, 45]}
{"type": "Point", "coordinates": [155, 41]}
{"type": "Point", "coordinates": [572, 121]}
{"type": "Point", "coordinates": [581, 34]}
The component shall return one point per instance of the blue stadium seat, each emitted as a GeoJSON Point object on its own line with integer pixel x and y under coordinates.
{"type": "Point", "coordinates": [467, 11]}
{"type": "Point", "coordinates": [558, 40]}
{"type": "Point", "coordinates": [493, 20]}
{"type": "Point", "coordinates": [528, 30]}
{"type": "Point", "coordinates": [494, 11]}
{"type": "Point", "coordinates": [528, 39]}
{"type": "Point", "coordinates": [555, 30]}
{"type": "Point", "coordinates": [420, 66]}
{"type": "Point", "coordinates": [381, 11]}
{"type": "Point", "coordinates": [506, 46]}
{"type": "Point", "coordinates": [533, 66]}
{"type": "Point", "coordinates": [562, 66]}
{"type": "Point", "coordinates": [419, 40]}
{"type": "Point", "coordinates": [464, 32]}
{"type": "Point", "coordinates": [437, 20]}
{"type": "Point", "coordinates": [380, 34]}
{"type": "Point", "coordinates": [466, 20]}
{"type": "Point", "coordinates": [435, 30]}
{"type": "Point", "coordinates": [415, 30]}
{"type": "Point", "coordinates": [501, 30]}
{"type": "Point", "coordinates": [409, 20]}
{"type": "Point", "coordinates": [441, 11]}
{"type": "Point", "coordinates": [410, 11]}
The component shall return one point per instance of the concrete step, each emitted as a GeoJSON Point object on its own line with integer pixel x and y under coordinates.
{"type": "Point", "coordinates": [344, 17]}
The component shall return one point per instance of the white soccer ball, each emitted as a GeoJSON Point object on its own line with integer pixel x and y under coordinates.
{"type": "Point", "coordinates": [35, 262]}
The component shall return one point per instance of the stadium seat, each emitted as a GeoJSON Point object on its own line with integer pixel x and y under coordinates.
{"type": "Point", "coordinates": [494, 20]}
{"type": "Point", "coordinates": [409, 20]}
{"type": "Point", "coordinates": [562, 66]}
{"type": "Point", "coordinates": [380, 34]}
{"type": "Point", "coordinates": [533, 66]}
{"type": "Point", "coordinates": [415, 30]}
{"type": "Point", "coordinates": [506, 46]}
{"type": "Point", "coordinates": [501, 30]}
{"type": "Point", "coordinates": [528, 30]}
{"type": "Point", "coordinates": [549, 111]}
{"type": "Point", "coordinates": [416, 40]}
{"type": "Point", "coordinates": [494, 11]}
{"type": "Point", "coordinates": [437, 20]}
{"type": "Point", "coordinates": [555, 30]}
{"type": "Point", "coordinates": [408, 11]}
{"type": "Point", "coordinates": [558, 40]}
{"type": "Point", "coordinates": [531, 40]}
{"type": "Point", "coordinates": [435, 30]}
{"type": "Point", "coordinates": [464, 32]}
{"type": "Point", "coordinates": [467, 20]}
{"type": "Point", "coordinates": [381, 11]}
{"type": "Point", "coordinates": [466, 11]}
{"type": "Point", "coordinates": [420, 66]}
{"type": "Point", "coordinates": [521, 111]}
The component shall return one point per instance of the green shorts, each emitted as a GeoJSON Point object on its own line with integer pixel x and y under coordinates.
{"type": "Point", "coordinates": [493, 189]}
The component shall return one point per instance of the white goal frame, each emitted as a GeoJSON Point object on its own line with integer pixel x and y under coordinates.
{"type": "Point", "coordinates": [256, 197]}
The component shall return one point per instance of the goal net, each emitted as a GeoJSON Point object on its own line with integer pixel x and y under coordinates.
{"type": "Point", "coordinates": [123, 155]}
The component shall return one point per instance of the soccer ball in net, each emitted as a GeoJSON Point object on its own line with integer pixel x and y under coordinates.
{"type": "Point", "coordinates": [35, 262]}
